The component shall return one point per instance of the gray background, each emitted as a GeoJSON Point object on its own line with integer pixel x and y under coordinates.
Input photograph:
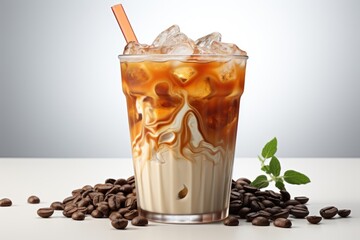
{"type": "Point", "coordinates": [60, 93]}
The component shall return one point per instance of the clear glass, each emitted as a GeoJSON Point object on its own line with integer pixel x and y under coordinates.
{"type": "Point", "coordinates": [183, 116]}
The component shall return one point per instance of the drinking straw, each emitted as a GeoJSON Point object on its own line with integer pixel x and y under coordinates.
{"type": "Point", "coordinates": [124, 23]}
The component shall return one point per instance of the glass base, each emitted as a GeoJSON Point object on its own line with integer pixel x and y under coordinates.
{"type": "Point", "coordinates": [185, 218]}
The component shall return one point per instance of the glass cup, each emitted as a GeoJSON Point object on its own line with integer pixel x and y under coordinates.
{"type": "Point", "coordinates": [183, 116]}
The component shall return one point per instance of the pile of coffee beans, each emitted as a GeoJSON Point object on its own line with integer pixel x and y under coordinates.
{"type": "Point", "coordinates": [261, 207]}
{"type": "Point", "coordinates": [116, 200]}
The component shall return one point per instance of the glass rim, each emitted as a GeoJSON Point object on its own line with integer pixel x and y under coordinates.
{"type": "Point", "coordinates": [188, 57]}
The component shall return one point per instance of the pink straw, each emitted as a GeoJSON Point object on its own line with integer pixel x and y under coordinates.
{"type": "Point", "coordinates": [124, 23]}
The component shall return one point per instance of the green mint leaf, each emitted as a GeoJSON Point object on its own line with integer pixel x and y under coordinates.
{"type": "Point", "coordinates": [294, 177]}
{"type": "Point", "coordinates": [266, 169]}
{"type": "Point", "coordinates": [280, 184]}
{"type": "Point", "coordinates": [274, 166]}
{"type": "Point", "coordinates": [269, 149]}
{"type": "Point", "coordinates": [260, 182]}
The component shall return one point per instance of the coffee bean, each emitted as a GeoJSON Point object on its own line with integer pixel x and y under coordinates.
{"type": "Point", "coordinates": [120, 182]}
{"type": "Point", "coordinates": [302, 199]}
{"type": "Point", "coordinates": [83, 202]}
{"type": "Point", "coordinates": [104, 208]}
{"type": "Point", "coordinates": [291, 202]}
{"type": "Point", "coordinates": [78, 216]}
{"type": "Point", "coordinates": [89, 209]}
{"type": "Point", "coordinates": [86, 193]}
{"type": "Point", "coordinates": [68, 199]}
{"type": "Point", "coordinates": [114, 190]}
{"type": "Point", "coordinates": [5, 202]}
{"type": "Point", "coordinates": [97, 214]}
{"type": "Point", "coordinates": [344, 212]}
{"type": "Point", "coordinates": [103, 188]}
{"type": "Point", "coordinates": [69, 210]}
{"type": "Point", "coordinates": [299, 212]}
{"type": "Point", "coordinates": [110, 180]}
{"type": "Point", "coordinates": [57, 206]}
{"type": "Point", "coordinates": [260, 221]}
{"type": "Point", "coordinates": [127, 188]}
{"type": "Point", "coordinates": [268, 203]}
{"type": "Point", "coordinates": [282, 214]}
{"type": "Point", "coordinates": [328, 212]}
{"type": "Point", "coordinates": [115, 215]}
{"type": "Point", "coordinates": [250, 189]}
{"type": "Point", "coordinates": [244, 211]}
{"type": "Point", "coordinates": [124, 211]}
{"type": "Point", "coordinates": [273, 194]}
{"type": "Point", "coordinates": [131, 180]}
{"type": "Point", "coordinates": [45, 212]}
{"type": "Point", "coordinates": [119, 223]}
{"type": "Point", "coordinates": [131, 215]}
{"type": "Point", "coordinates": [244, 180]}
{"type": "Point", "coordinates": [139, 221]}
{"type": "Point", "coordinates": [231, 221]}
{"type": "Point", "coordinates": [251, 216]}
{"type": "Point", "coordinates": [235, 206]}
{"type": "Point", "coordinates": [87, 188]}
{"type": "Point", "coordinates": [33, 200]}
{"type": "Point", "coordinates": [282, 222]}
{"type": "Point", "coordinates": [276, 201]}
{"type": "Point", "coordinates": [131, 203]}
{"type": "Point", "coordinates": [234, 195]}
{"type": "Point", "coordinates": [302, 206]}
{"type": "Point", "coordinates": [255, 206]}
{"type": "Point", "coordinates": [285, 195]}
{"type": "Point", "coordinates": [264, 213]}
{"type": "Point", "coordinates": [114, 203]}
{"type": "Point", "coordinates": [314, 219]}
{"type": "Point", "coordinates": [97, 197]}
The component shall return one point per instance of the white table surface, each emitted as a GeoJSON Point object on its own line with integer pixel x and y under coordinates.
{"type": "Point", "coordinates": [335, 181]}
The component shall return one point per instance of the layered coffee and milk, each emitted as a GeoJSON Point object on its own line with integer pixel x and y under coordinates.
{"type": "Point", "coordinates": [183, 104]}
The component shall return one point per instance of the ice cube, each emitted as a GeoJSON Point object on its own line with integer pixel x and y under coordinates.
{"type": "Point", "coordinates": [217, 47]}
{"type": "Point", "coordinates": [206, 41]}
{"type": "Point", "coordinates": [178, 44]}
{"type": "Point", "coordinates": [228, 72]}
{"type": "Point", "coordinates": [163, 36]}
{"type": "Point", "coordinates": [201, 88]}
{"type": "Point", "coordinates": [184, 74]}
{"type": "Point", "coordinates": [135, 48]}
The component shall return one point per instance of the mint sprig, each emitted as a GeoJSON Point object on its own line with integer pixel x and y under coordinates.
{"type": "Point", "coordinates": [273, 170]}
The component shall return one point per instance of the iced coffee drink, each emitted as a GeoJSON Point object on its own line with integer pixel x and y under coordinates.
{"type": "Point", "coordinates": [183, 101]}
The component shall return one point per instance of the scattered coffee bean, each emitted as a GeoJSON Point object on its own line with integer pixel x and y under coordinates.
{"type": "Point", "coordinates": [282, 222]}
{"type": "Point", "coordinates": [119, 223]}
{"type": "Point", "coordinates": [344, 212]}
{"type": "Point", "coordinates": [139, 221]}
{"type": "Point", "coordinates": [5, 202]}
{"type": "Point", "coordinates": [260, 221]}
{"type": "Point", "coordinates": [33, 200]}
{"type": "Point", "coordinates": [314, 219]}
{"type": "Point", "coordinates": [231, 221]}
{"type": "Point", "coordinates": [45, 212]}
{"type": "Point", "coordinates": [57, 206]}
{"type": "Point", "coordinates": [302, 199]}
{"type": "Point", "coordinates": [328, 212]}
